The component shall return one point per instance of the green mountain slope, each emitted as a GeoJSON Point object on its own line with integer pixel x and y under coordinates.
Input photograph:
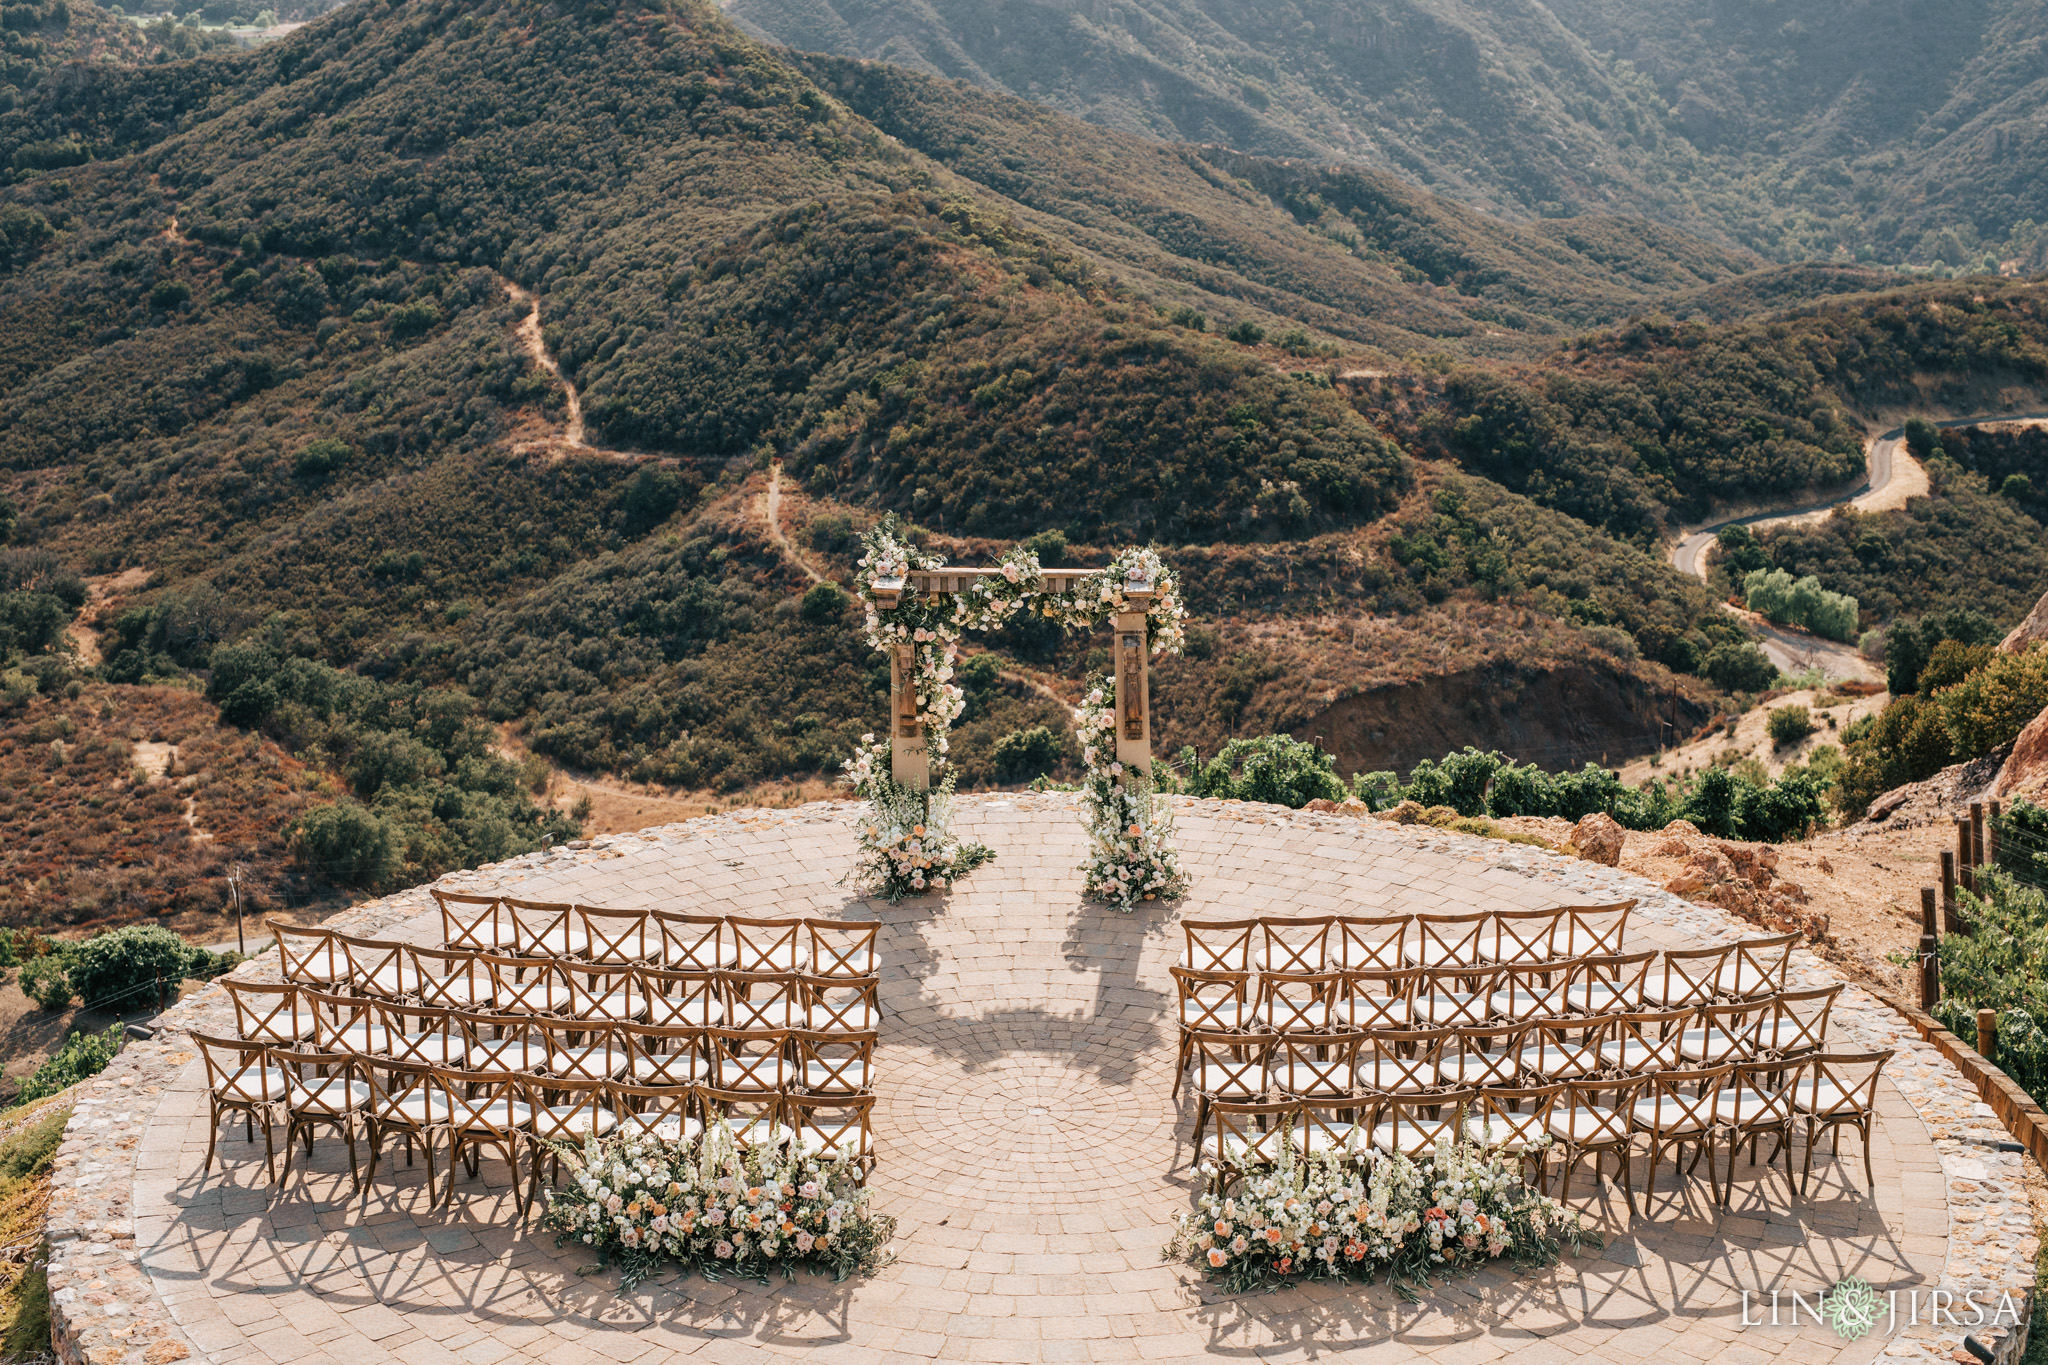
{"type": "Point", "coordinates": [1806, 128]}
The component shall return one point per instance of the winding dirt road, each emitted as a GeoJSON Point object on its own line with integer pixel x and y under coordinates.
{"type": "Point", "coordinates": [1892, 477]}
{"type": "Point", "coordinates": [536, 346]}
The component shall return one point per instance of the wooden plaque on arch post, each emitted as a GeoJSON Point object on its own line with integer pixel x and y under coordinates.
{"type": "Point", "coordinates": [910, 762]}
{"type": "Point", "coordinates": [1134, 680]}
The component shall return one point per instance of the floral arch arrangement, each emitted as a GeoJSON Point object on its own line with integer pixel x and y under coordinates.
{"type": "Point", "coordinates": [905, 835]}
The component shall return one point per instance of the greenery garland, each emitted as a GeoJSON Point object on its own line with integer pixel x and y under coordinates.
{"type": "Point", "coordinates": [1131, 851]}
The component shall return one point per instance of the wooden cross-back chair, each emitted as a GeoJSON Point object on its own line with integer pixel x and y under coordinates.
{"type": "Point", "coordinates": [379, 967]}
{"type": "Point", "coordinates": [833, 1127]}
{"type": "Point", "coordinates": [1401, 1061]}
{"type": "Point", "coordinates": [487, 1109]}
{"type": "Point", "coordinates": [692, 998]}
{"type": "Point", "coordinates": [611, 991]}
{"type": "Point", "coordinates": [407, 1100]}
{"type": "Point", "coordinates": [1231, 1066]}
{"type": "Point", "coordinates": [667, 1113]}
{"type": "Point", "coordinates": [1520, 936]}
{"type": "Point", "coordinates": [529, 985]}
{"type": "Point", "coordinates": [1582, 1126]}
{"type": "Point", "coordinates": [240, 1079]}
{"type": "Point", "coordinates": [1685, 977]}
{"type": "Point", "coordinates": [505, 1042]}
{"type": "Point", "coordinates": [1756, 967]}
{"type": "Point", "coordinates": [1328, 1128]}
{"type": "Point", "coordinates": [763, 1000]}
{"type": "Point", "coordinates": [840, 947]}
{"type": "Point", "coordinates": [546, 929]}
{"type": "Point", "coordinates": [1839, 1090]}
{"type": "Point", "coordinates": [1594, 930]}
{"type": "Point", "coordinates": [1412, 1125]}
{"type": "Point", "coordinates": [618, 936]}
{"type": "Point", "coordinates": [1483, 1055]}
{"type": "Point", "coordinates": [423, 1035]}
{"type": "Point", "coordinates": [1313, 1067]}
{"type": "Point", "coordinates": [1296, 1002]}
{"type": "Point", "coordinates": [693, 943]}
{"type": "Point", "coordinates": [1754, 1102]}
{"type": "Point", "coordinates": [1295, 944]}
{"type": "Point", "coordinates": [1647, 1040]}
{"type": "Point", "coordinates": [308, 956]}
{"type": "Point", "coordinates": [833, 1063]}
{"type": "Point", "coordinates": [585, 1050]}
{"type": "Point", "coordinates": [1452, 940]}
{"type": "Point", "coordinates": [1245, 1136]}
{"type": "Point", "coordinates": [751, 1059]}
{"type": "Point", "coordinates": [1371, 998]}
{"type": "Point", "coordinates": [1514, 1120]}
{"type": "Point", "coordinates": [1677, 1109]}
{"type": "Point", "coordinates": [346, 1023]}
{"type": "Point", "coordinates": [1797, 1021]}
{"type": "Point", "coordinates": [840, 1004]}
{"type": "Point", "coordinates": [454, 978]}
{"type": "Point", "coordinates": [756, 1118]}
{"type": "Point", "coordinates": [1223, 945]}
{"type": "Point", "coordinates": [1453, 997]}
{"type": "Point", "coordinates": [1562, 1050]}
{"type": "Point", "coordinates": [1723, 1033]}
{"type": "Point", "coordinates": [271, 1012]}
{"type": "Point", "coordinates": [665, 1054]}
{"type": "Point", "coordinates": [1529, 991]}
{"type": "Point", "coordinates": [1610, 983]}
{"type": "Point", "coordinates": [475, 924]}
{"type": "Point", "coordinates": [768, 945]}
{"type": "Point", "coordinates": [322, 1090]}
{"type": "Point", "coordinates": [1210, 1002]}
{"type": "Point", "coordinates": [1372, 942]}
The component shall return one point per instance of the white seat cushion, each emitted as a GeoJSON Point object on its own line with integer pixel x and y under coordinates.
{"type": "Point", "coordinates": [1282, 959]}
{"type": "Point", "coordinates": [851, 962]}
{"type": "Point", "coordinates": [1708, 1045]}
{"type": "Point", "coordinates": [1411, 1137]}
{"type": "Point", "coordinates": [670, 1068]}
{"type": "Point", "coordinates": [769, 1014]}
{"type": "Point", "coordinates": [457, 991]}
{"type": "Point", "coordinates": [1744, 1105]}
{"type": "Point", "coordinates": [423, 1108]}
{"type": "Point", "coordinates": [543, 996]}
{"type": "Point", "coordinates": [1827, 1098]}
{"type": "Point", "coordinates": [1392, 1077]}
{"type": "Point", "coordinates": [1369, 1012]}
{"type": "Point", "coordinates": [436, 1049]}
{"type": "Point", "coordinates": [1430, 954]}
{"type": "Point", "coordinates": [393, 979]}
{"type": "Point", "coordinates": [851, 1139]}
{"type": "Point", "coordinates": [1669, 1116]}
{"type": "Point", "coordinates": [1557, 1063]}
{"type": "Point", "coordinates": [1382, 954]}
{"type": "Point", "coordinates": [1227, 1082]}
{"type": "Point", "coordinates": [1300, 1078]}
{"type": "Point", "coordinates": [1447, 1007]}
{"type": "Point", "coordinates": [282, 1026]}
{"type": "Point", "coordinates": [563, 940]}
{"type": "Point", "coordinates": [1577, 941]}
{"type": "Point", "coordinates": [507, 1054]}
{"type": "Point", "coordinates": [1523, 1005]}
{"type": "Point", "coordinates": [772, 1073]}
{"type": "Point", "coordinates": [623, 1005]}
{"type": "Point", "coordinates": [1742, 979]}
{"type": "Point", "coordinates": [1630, 1055]}
{"type": "Point", "coordinates": [492, 1114]}
{"type": "Point", "coordinates": [632, 945]}
{"type": "Point", "coordinates": [702, 1012]}
{"type": "Point", "coordinates": [255, 1083]}
{"type": "Point", "coordinates": [1588, 1123]}
{"type": "Point", "coordinates": [1779, 1035]}
{"type": "Point", "coordinates": [1598, 997]}
{"type": "Point", "coordinates": [772, 957]}
{"type": "Point", "coordinates": [599, 1063]}
{"type": "Point", "coordinates": [1214, 1014]}
{"type": "Point", "coordinates": [1477, 1070]}
{"type": "Point", "coordinates": [1281, 1016]}
{"type": "Point", "coordinates": [574, 1120]}
{"type": "Point", "coordinates": [1661, 992]}
{"type": "Point", "coordinates": [847, 1078]}
{"type": "Point", "coordinates": [330, 1095]}
{"type": "Point", "coordinates": [321, 964]}
{"type": "Point", "coordinates": [1241, 1151]}
{"type": "Point", "coordinates": [368, 1038]}
{"type": "Point", "coordinates": [854, 1018]}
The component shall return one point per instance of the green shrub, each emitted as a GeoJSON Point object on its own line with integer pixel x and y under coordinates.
{"type": "Point", "coordinates": [1909, 644]}
{"type": "Point", "coordinates": [1277, 768]}
{"type": "Point", "coordinates": [318, 459]}
{"type": "Point", "coordinates": [170, 294]}
{"type": "Point", "coordinates": [823, 604]}
{"type": "Point", "coordinates": [1789, 725]}
{"type": "Point", "coordinates": [2023, 842]}
{"type": "Point", "coordinates": [1379, 791]}
{"type": "Point", "coordinates": [46, 981]}
{"type": "Point", "coordinates": [128, 970]}
{"type": "Point", "coordinates": [1738, 668]}
{"type": "Point", "coordinates": [1999, 965]}
{"type": "Point", "coordinates": [29, 1152]}
{"type": "Point", "coordinates": [1908, 741]}
{"type": "Point", "coordinates": [1949, 662]}
{"type": "Point", "coordinates": [1246, 333]}
{"type": "Point", "coordinates": [346, 843]}
{"type": "Point", "coordinates": [1801, 602]}
{"type": "Point", "coordinates": [1991, 706]}
{"type": "Point", "coordinates": [83, 1055]}
{"type": "Point", "coordinates": [1024, 754]}
{"type": "Point", "coordinates": [1739, 549]}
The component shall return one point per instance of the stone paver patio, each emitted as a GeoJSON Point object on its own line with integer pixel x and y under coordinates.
{"type": "Point", "coordinates": [1028, 1149]}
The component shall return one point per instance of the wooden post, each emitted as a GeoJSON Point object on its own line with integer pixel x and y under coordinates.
{"type": "Point", "coordinates": [1948, 888]}
{"type": "Point", "coordinates": [1928, 927]}
{"type": "Point", "coordinates": [910, 762]}
{"type": "Point", "coordinates": [1930, 973]}
{"type": "Point", "coordinates": [1991, 833]}
{"type": "Point", "coordinates": [1976, 834]}
{"type": "Point", "coordinates": [1987, 1035]}
{"type": "Point", "coordinates": [1134, 680]}
{"type": "Point", "coordinates": [1965, 874]}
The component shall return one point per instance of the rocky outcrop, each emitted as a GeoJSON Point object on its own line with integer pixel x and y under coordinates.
{"type": "Point", "coordinates": [2026, 768]}
{"type": "Point", "coordinates": [1598, 839]}
{"type": "Point", "coordinates": [1740, 878]}
{"type": "Point", "coordinates": [2030, 631]}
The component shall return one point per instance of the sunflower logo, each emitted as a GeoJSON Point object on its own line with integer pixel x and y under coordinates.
{"type": "Point", "coordinates": [1851, 1308]}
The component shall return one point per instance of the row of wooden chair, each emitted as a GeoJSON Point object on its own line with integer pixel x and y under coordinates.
{"type": "Point", "coordinates": [493, 1108]}
{"type": "Point", "coordinates": [526, 928]}
{"type": "Point", "coordinates": [1356, 1064]}
{"type": "Point", "coordinates": [1697, 1107]}
{"type": "Point", "coordinates": [771, 1056]}
{"type": "Point", "coordinates": [1320, 943]}
{"type": "Point", "coordinates": [702, 943]}
{"type": "Point", "coordinates": [1421, 996]}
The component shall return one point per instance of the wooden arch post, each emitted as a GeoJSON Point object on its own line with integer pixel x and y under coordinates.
{"type": "Point", "coordinates": [1134, 680]}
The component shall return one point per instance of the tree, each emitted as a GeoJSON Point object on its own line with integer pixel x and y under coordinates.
{"type": "Point", "coordinates": [1789, 725]}
{"type": "Point", "coordinates": [1922, 436]}
{"type": "Point", "coordinates": [346, 843]}
{"type": "Point", "coordinates": [128, 969]}
{"type": "Point", "coordinates": [1738, 668]}
{"type": "Point", "coordinates": [1024, 754]}
{"type": "Point", "coordinates": [1740, 550]}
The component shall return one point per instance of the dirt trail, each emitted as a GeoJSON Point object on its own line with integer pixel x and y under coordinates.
{"type": "Point", "coordinates": [536, 346]}
{"type": "Point", "coordinates": [771, 513]}
{"type": "Point", "coordinates": [101, 589]}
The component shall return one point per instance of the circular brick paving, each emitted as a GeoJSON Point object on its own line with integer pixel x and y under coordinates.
{"type": "Point", "coordinates": [1029, 1150]}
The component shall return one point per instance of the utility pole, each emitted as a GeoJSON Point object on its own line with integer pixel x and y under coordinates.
{"type": "Point", "coordinates": [235, 887]}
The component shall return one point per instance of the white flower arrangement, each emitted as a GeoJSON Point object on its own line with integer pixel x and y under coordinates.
{"type": "Point", "coordinates": [1131, 852]}
{"type": "Point", "coordinates": [1092, 601]}
{"type": "Point", "coordinates": [1322, 1217]}
{"type": "Point", "coordinates": [905, 835]}
{"type": "Point", "coordinates": [713, 1206]}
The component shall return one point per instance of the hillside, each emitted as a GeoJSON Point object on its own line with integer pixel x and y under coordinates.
{"type": "Point", "coordinates": [1793, 129]}
{"type": "Point", "coordinates": [270, 379]}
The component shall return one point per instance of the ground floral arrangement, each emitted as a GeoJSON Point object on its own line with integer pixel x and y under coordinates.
{"type": "Point", "coordinates": [1409, 1221]}
{"type": "Point", "coordinates": [906, 845]}
{"type": "Point", "coordinates": [716, 1208]}
{"type": "Point", "coordinates": [1131, 851]}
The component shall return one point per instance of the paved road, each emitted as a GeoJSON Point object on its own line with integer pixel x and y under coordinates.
{"type": "Point", "coordinates": [1885, 462]}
